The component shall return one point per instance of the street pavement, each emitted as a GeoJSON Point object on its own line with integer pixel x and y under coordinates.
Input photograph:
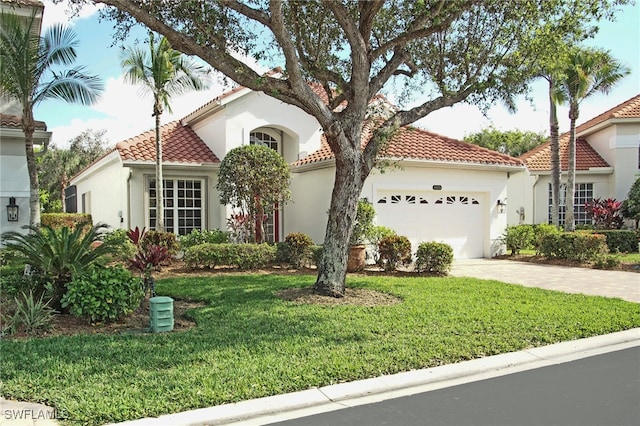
{"type": "Point", "coordinates": [598, 390]}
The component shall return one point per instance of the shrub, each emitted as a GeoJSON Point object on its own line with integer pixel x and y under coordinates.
{"type": "Point", "coordinates": [103, 294]}
{"type": "Point", "coordinates": [197, 236]}
{"type": "Point", "coordinates": [58, 254]}
{"type": "Point", "coordinates": [298, 247]}
{"type": "Point", "coordinates": [620, 241]}
{"type": "Point", "coordinates": [363, 223]}
{"type": "Point", "coordinates": [435, 258]}
{"type": "Point", "coordinates": [123, 249]}
{"type": "Point", "coordinates": [31, 315]}
{"type": "Point", "coordinates": [68, 220]}
{"type": "Point", "coordinates": [316, 254]}
{"type": "Point", "coordinates": [607, 262]}
{"type": "Point", "coordinates": [376, 235]}
{"type": "Point", "coordinates": [578, 246]}
{"type": "Point", "coordinates": [241, 256]}
{"type": "Point", "coordinates": [167, 240]}
{"type": "Point", "coordinates": [606, 214]}
{"type": "Point", "coordinates": [14, 281]}
{"type": "Point", "coordinates": [540, 231]}
{"type": "Point", "coordinates": [394, 250]}
{"type": "Point", "coordinates": [518, 237]}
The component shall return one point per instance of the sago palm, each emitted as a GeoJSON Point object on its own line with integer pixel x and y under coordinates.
{"type": "Point", "coordinates": [29, 74]}
{"type": "Point", "coordinates": [164, 73]}
{"type": "Point", "coordinates": [586, 72]}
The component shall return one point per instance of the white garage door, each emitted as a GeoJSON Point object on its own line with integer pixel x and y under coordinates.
{"type": "Point", "coordinates": [453, 218]}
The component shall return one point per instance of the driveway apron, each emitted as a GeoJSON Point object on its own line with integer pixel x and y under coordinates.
{"type": "Point", "coordinates": [594, 282]}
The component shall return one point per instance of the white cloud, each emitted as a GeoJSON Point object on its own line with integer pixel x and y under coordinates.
{"type": "Point", "coordinates": [128, 113]}
{"type": "Point", "coordinates": [63, 12]}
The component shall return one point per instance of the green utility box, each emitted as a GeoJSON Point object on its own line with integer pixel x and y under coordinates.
{"type": "Point", "coordinates": [161, 311]}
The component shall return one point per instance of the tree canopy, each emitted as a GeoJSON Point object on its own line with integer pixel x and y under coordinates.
{"type": "Point", "coordinates": [510, 142]}
{"type": "Point", "coordinates": [254, 179]}
{"type": "Point", "coordinates": [58, 165]}
{"type": "Point", "coordinates": [443, 51]}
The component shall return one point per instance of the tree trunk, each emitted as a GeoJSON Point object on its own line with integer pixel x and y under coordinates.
{"type": "Point", "coordinates": [63, 185]}
{"type": "Point", "coordinates": [159, 182]}
{"type": "Point", "coordinates": [569, 221]}
{"type": "Point", "coordinates": [349, 179]}
{"type": "Point", "coordinates": [555, 159]}
{"type": "Point", "coordinates": [28, 127]}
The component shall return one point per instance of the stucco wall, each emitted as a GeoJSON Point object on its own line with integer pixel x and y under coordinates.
{"type": "Point", "coordinates": [14, 182]}
{"type": "Point", "coordinates": [230, 127]}
{"type": "Point", "coordinates": [312, 194]}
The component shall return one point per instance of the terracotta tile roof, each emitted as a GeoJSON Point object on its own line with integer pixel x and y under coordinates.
{"type": "Point", "coordinates": [417, 144]}
{"type": "Point", "coordinates": [13, 121]}
{"type": "Point", "coordinates": [627, 109]}
{"type": "Point", "coordinates": [180, 144]}
{"type": "Point", "coordinates": [539, 159]}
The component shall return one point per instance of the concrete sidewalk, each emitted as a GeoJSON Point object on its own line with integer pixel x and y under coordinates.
{"type": "Point", "coordinates": [593, 282]}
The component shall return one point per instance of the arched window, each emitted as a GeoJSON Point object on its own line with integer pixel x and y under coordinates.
{"type": "Point", "coordinates": [262, 138]}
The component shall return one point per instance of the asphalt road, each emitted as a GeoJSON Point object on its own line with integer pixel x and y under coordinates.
{"type": "Point", "coordinates": [600, 390]}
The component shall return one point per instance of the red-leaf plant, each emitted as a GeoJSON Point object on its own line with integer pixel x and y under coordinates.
{"type": "Point", "coordinates": [606, 214]}
{"type": "Point", "coordinates": [147, 258]}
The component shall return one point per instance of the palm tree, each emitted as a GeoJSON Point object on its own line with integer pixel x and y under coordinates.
{"type": "Point", "coordinates": [164, 72]}
{"type": "Point", "coordinates": [27, 74]}
{"type": "Point", "coordinates": [587, 71]}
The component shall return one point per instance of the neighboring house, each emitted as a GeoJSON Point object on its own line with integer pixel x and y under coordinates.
{"type": "Point", "coordinates": [14, 177]}
{"type": "Point", "coordinates": [437, 189]}
{"type": "Point", "coordinates": [607, 163]}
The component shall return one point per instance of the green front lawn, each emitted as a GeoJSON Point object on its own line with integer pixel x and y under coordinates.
{"type": "Point", "coordinates": [249, 343]}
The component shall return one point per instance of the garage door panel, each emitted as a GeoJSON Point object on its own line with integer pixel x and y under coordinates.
{"type": "Point", "coordinates": [452, 218]}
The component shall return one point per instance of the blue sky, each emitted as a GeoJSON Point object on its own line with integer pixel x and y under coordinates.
{"type": "Point", "coordinates": [124, 112]}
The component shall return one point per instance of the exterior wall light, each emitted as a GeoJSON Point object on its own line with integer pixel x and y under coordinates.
{"type": "Point", "coordinates": [502, 206]}
{"type": "Point", "coordinates": [12, 210]}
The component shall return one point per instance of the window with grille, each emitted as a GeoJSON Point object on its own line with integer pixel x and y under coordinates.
{"type": "Point", "coordinates": [183, 205]}
{"type": "Point", "coordinates": [261, 138]}
{"type": "Point", "coordinates": [583, 195]}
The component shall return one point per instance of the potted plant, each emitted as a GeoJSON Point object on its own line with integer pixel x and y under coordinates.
{"type": "Point", "coordinates": [360, 236]}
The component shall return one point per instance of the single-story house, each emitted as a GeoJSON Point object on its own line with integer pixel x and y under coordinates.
{"type": "Point", "coordinates": [439, 189]}
{"type": "Point", "coordinates": [607, 164]}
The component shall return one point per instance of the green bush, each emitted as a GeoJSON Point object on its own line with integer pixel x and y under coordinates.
{"type": "Point", "coordinates": [518, 237]}
{"type": "Point", "coordinates": [394, 250]}
{"type": "Point", "coordinates": [241, 256]}
{"type": "Point", "coordinates": [103, 294]}
{"type": "Point", "coordinates": [14, 281]}
{"type": "Point", "coordinates": [31, 315]}
{"type": "Point", "coordinates": [435, 258]}
{"type": "Point", "coordinates": [316, 254]}
{"type": "Point", "coordinates": [620, 241]}
{"type": "Point", "coordinates": [197, 236]}
{"type": "Point", "coordinates": [298, 247]}
{"type": "Point", "coordinates": [607, 262]}
{"type": "Point", "coordinates": [69, 220]}
{"type": "Point", "coordinates": [540, 231]}
{"type": "Point", "coordinates": [364, 222]}
{"type": "Point", "coordinates": [162, 239]}
{"type": "Point", "coordinates": [122, 247]}
{"type": "Point", "coordinates": [58, 254]}
{"type": "Point", "coordinates": [375, 236]}
{"type": "Point", "coordinates": [578, 246]}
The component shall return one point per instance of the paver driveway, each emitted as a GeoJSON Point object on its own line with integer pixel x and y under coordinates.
{"type": "Point", "coordinates": [625, 285]}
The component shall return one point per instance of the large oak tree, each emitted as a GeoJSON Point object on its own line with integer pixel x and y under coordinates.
{"type": "Point", "coordinates": [441, 51]}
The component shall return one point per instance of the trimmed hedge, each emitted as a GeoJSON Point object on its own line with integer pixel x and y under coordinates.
{"type": "Point", "coordinates": [197, 236]}
{"type": "Point", "coordinates": [518, 237]}
{"type": "Point", "coordinates": [394, 250]}
{"type": "Point", "coordinates": [70, 220]}
{"type": "Point", "coordinates": [578, 246]}
{"type": "Point", "coordinates": [435, 258]}
{"type": "Point", "coordinates": [297, 246]}
{"type": "Point", "coordinates": [620, 241]}
{"type": "Point", "coordinates": [167, 240]}
{"type": "Point", "coordinates": [241, 256]}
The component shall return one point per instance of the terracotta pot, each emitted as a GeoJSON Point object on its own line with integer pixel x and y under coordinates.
{"type": "Point", "coordinates": [356, 260]}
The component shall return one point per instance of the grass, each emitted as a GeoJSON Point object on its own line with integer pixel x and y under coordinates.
{"type": "Point", "coordinates": [249, 344]}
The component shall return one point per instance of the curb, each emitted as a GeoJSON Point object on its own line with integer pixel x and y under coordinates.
{"type": "Point", "coordinates": [333, 397]}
